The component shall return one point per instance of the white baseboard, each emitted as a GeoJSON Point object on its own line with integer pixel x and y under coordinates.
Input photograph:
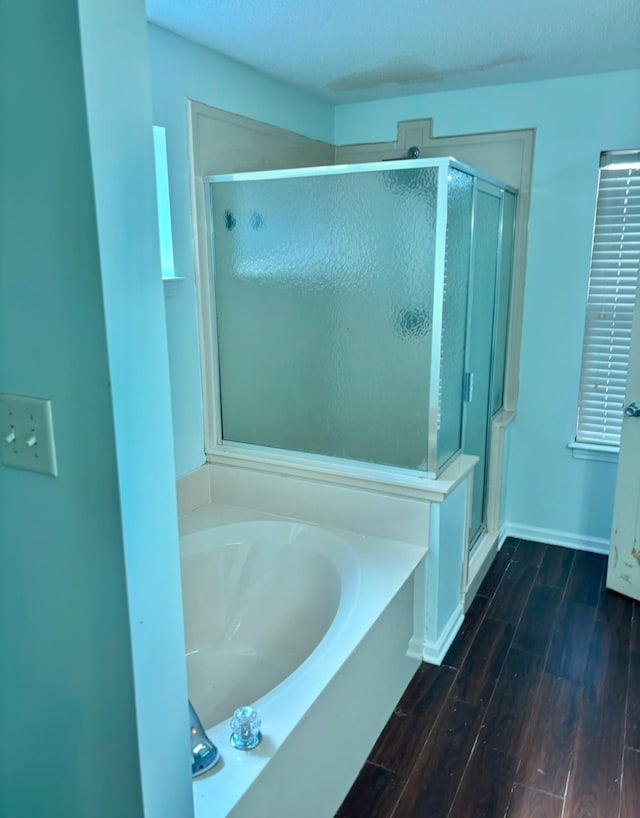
{"type": "Point", "coordinates": [552, 537]}
{"type": "Point", "coordinates": [416, 648]}
{"type": "Point", "coordinates": [434, 652]}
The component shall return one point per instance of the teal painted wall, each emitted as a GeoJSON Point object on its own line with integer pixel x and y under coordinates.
{"type": "Point", "coordinates": [68, 737]}
{"type": "Point", "coordinates": [575, 119]}
{"type": "Point", "coordinates": [182, 70]}
{"type": "Point", "coordinates": [93, 705]}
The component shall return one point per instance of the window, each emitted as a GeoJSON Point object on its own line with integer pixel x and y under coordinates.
{"type": "Point", "coordinates": [613, 279]}
{"type": "Point", "coordinates": [164, 210]}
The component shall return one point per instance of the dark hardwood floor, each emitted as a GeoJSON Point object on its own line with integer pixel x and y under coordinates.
{"type": "Point", "coordinates": [535, 711]}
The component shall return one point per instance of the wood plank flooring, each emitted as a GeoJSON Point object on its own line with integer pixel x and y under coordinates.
{"type": "Point", "coordinates": [535, 711]}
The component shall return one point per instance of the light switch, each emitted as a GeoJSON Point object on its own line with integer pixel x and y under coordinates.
{"type": "Point", "coordinates": [26, 426]}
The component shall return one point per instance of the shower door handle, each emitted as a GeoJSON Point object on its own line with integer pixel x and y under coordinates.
{"type": "Point", "coordinates": [467, 387]}
{"type": "Point", "coordinates": [633, 410]}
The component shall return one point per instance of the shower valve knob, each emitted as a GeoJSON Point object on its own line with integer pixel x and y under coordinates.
{"type": "Point", "coordinates": [245, 728]}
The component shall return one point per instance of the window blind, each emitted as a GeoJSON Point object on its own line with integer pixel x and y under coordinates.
{"type": "Point", "coordinates": [613, 280]}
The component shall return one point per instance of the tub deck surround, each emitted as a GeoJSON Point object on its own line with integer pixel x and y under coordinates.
{"type": "Point", "coordinates": [366, 499]}
{"type": "Point", "coordinates": [351, 473]}
{"type": "Point", "coordinates": [381, 502]}
{"type": "Point", "coordinates": [332, 690]}
{"type": "Point", "coordinates": [193, 490]}
{"type": "Point", "coordinates": [410, 538]}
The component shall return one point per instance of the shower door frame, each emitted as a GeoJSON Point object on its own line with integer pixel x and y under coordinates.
{"type": "Point", "coordinates": [217, 447]}
{"type": "Point", "coordinates": [475, 536]}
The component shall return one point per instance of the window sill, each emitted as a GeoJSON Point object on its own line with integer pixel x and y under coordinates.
{"type": "Point", "coordinates": [590, 451]}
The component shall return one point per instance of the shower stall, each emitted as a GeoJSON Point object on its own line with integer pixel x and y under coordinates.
{"type": "Point", "coordinates": [361, 314]}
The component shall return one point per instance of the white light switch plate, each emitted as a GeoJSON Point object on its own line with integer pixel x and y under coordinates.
{"type": "Point", "coordinates": [26, 426]}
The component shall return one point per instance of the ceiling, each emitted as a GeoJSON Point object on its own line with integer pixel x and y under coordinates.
{"type": "Point", "coordinates": [350, 50]}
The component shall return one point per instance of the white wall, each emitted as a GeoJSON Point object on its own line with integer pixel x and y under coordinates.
{"type": "Point", "coordinates": [181, 70]}
{"type": "Point", "coordinates": [89, 577]}
{"type": "Point", "coordinates": [116, 77]}
{"type": "Point", "coordinates": [575, 119]}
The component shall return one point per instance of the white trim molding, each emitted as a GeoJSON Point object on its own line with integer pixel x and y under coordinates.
{"type": "Point", "coordinates": [591, 451]}
{"type": "Point", "coordinates": [434, 652]}
{"type": "Point", "coordinates": [354, 474]}
{"type": "Point", "coordinates": [549, 536]}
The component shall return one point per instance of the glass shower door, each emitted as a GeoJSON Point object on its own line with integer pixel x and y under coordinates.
{"type": "Point", "coordinates": [324, 294]}
{"type": "Point", "coordinates": [480, 341]}
{"type": "Point", "coordinates": [346, 323]}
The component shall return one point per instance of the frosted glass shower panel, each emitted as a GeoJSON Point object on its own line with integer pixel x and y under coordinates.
{"type": "Point", "coordinates": [454, 309]}
{"type": "Point", "coordinates": [324, 288]}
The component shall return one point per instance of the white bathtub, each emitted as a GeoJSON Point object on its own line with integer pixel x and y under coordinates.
{"type": "Point", "coordinates": [258, 598]}
{"type": "Point", "coordinates": [311, 626]}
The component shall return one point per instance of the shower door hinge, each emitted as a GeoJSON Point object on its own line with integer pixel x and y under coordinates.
{"type": "Point", "coordinates": [467, 387]}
